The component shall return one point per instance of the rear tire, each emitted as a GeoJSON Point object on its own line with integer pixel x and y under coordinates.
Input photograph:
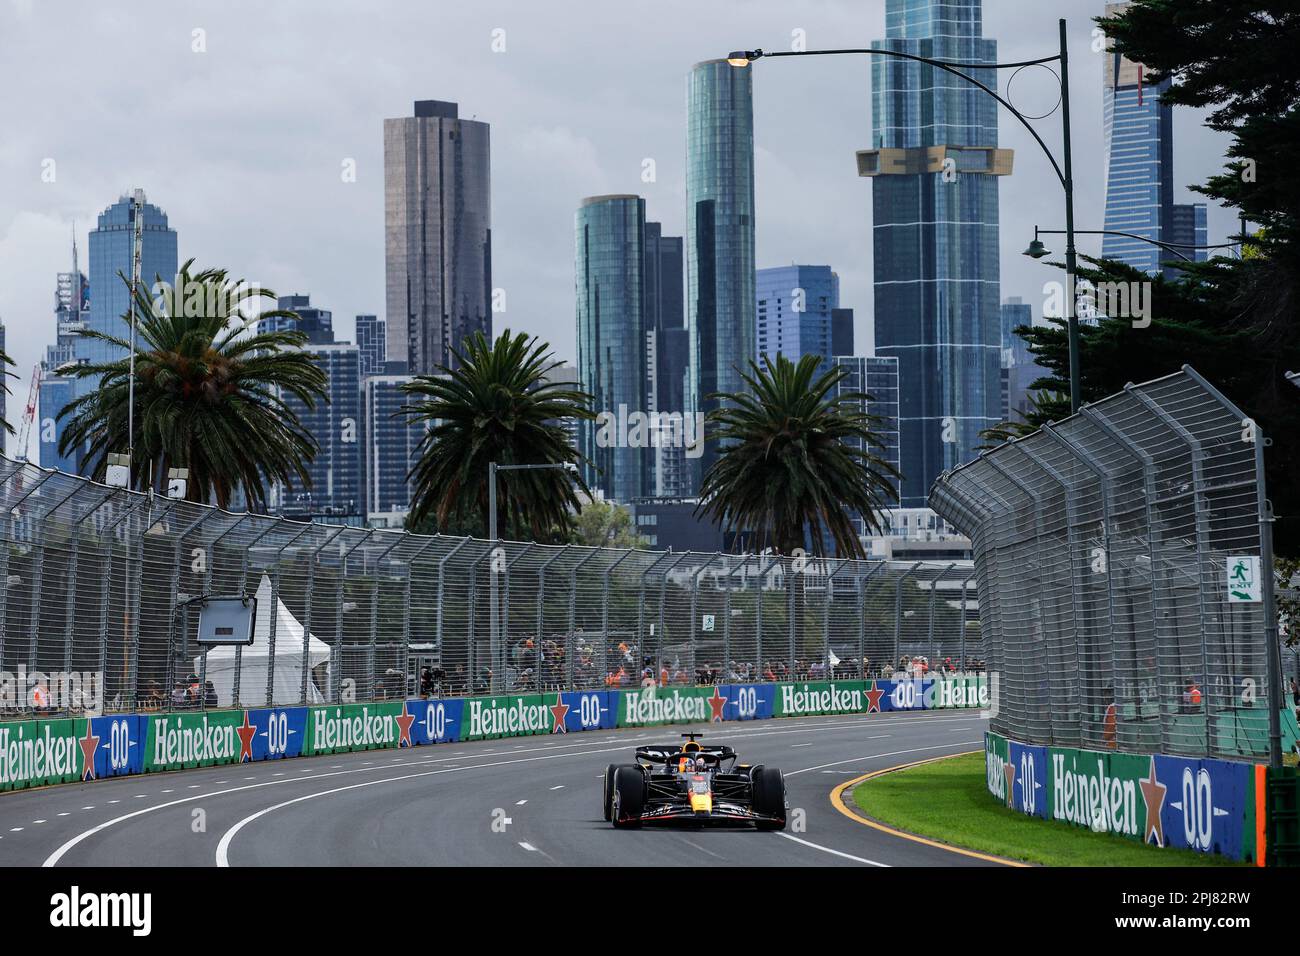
{"type": "Point", "coordinates": [629, 797]}
{"type": "Point", "coordinates": [608, 787]}
{"type": "Point", "coordinates": [769, 797]}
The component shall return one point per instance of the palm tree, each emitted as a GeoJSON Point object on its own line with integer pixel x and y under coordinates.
{"type": "Point", "coordinates": [794, 458]}
{"type": "Point", "coordinates": [496, 405]}
{"type": "Point", "coordinates": [210, 390]}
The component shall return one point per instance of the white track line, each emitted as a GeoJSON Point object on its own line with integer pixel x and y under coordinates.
{"type": "Point", "coordinates": [826, 849]}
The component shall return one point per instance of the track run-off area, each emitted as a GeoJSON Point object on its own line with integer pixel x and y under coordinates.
{"type": "Point", "coordinates": [507, 802]}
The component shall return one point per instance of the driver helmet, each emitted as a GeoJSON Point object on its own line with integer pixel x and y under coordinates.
{"type": "Point", "coordinates": [700, 765]}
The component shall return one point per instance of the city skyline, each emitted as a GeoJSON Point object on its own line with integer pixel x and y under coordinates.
{"type": "Point", "coordinates": [575, 151]}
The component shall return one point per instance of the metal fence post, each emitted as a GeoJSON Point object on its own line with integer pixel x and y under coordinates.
{"type": "Point", "coordinates": [442, 578]}
{"type": "Point", "coordinates": [172, 657]}
{"type": "Point", "coordinates": [344, 555]}
{"type": "Point", "coordinates": [471, 636]}
{"type": "Point", "coordinates": [934, 589]}
{"type": "Point", "coordinates": [271, 525]}
{"type": "Point", "coordinates": [604, 618]}
{"type": "Point", "coordinates": [374, 612]}
{"type": "Point", "coordinates": [826, 618]}
{"type": "Point", "coordinates": [306, 621]}
{"type": "Point", "coordinates": [539, 657]}
{"type": "Point", "coordinates": [274, 619]}
{"type": "Point", "coordinates": [503, 632]}
{"type": "Point", "coordinates": [570, 639]}
{"type": "Point", "coordinates": [758, 634]}
{"type": "Point", "coordinates": [898, 611]}
{"type": "Point", "coordinates": [862, 618]}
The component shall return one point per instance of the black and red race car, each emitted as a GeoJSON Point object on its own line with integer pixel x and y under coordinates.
{"type": "Point", "coordinates": [693, 783]}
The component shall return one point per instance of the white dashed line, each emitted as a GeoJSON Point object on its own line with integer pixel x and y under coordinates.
{"type": "Point", "coordinates": [34, 822]}
{"type": "Point", "coordinates": [87, 808]}
{"type": "Point", "coordinates": [792, 746]}
{"type": "Point", "coordinates": [528, 846]}
{"type": "Point", "coordinates": [63, 814]}
{"type": "Point", "coordinates": [15, 829]}
{"type": "Point", "coordinates": [521, 803]}
{"type": "Point", "coordinates": [560, 787]}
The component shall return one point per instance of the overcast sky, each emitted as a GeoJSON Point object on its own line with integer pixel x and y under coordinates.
{"type": "Point", "coordinates": [238, 119]}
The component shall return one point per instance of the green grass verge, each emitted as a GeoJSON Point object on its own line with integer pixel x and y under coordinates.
{"type": "Point", "coordinates": [957, 808]}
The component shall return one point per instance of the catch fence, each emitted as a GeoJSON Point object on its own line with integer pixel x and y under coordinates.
{"type": "Point", "coordinates": [106, 583]}
{"type": "Point", "coordinates": [1124, 562]}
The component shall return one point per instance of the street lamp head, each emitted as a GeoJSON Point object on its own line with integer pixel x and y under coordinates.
{"type": "Point", "coordinates": [1037, 250]}
{"type": "Point", "coordinates": [743, 57]}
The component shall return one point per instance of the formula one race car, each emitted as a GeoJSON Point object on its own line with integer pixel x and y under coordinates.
{"type": "Point", "coordinates": [693, 783]}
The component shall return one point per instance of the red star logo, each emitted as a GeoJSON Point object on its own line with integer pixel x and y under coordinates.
{"type": "Point", "coordinates": [873, 699]}
{"type": "Point", "coordinates": [559, 710]}
{"type": "Point", "coordinates": [1153, 795]}
{"type": "Point", "coordinates": [1009, 770]}
{"type": "Point", "coordinates": [716, 703]}
{"type": "Point", "coordinates": [246, 734]}
{"type": "Point", "coordinates": [89, 744]}
{"type": "Point", "coordinates": [404, 721]}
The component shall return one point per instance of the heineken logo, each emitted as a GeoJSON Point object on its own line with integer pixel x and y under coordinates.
{"type": "Point", "coordinates": [36, 755]}
{"type": "Point", "coordinates": [797, 700]}
{"type": "Point", "coordinates": [174, 742]}
{"type": "Point", "coordinates": [1086, 796]}
{"type": "Point", "coordinates": [649, 707]}
{"type": "Point", "coordinates": [492, 717]}
{"type": "Point", "coordinates": [995, 767]}
{"type": "Point", "coordinates": [334, 731]}
{"type": "Point", "coordinates": [960, 693]}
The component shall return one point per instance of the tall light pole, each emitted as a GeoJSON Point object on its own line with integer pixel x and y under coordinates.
{"type": "Point", "coordinates": [1037, 250]}
{"type": "Point", "coordinates": [494, 628]}
{"type": "Point", "coordinates": [743, 58]}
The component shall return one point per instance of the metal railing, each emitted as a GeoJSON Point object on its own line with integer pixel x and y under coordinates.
{"type": "Point", "coordinates": [106, 583]}
{"type": "Point", "coordinates": [1106, 547]}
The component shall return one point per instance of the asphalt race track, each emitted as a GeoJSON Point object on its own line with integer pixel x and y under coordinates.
{"type": "Point", "coordinates": [532, 801]}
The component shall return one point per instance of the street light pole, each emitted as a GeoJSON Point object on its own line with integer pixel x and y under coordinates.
{"type": "Point", "coordinates": [743, 58]}
{"type": "Point", "coordinates": [1071, 263]}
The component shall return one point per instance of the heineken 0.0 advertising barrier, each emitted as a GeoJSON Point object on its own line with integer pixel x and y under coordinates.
{"type": "Point", "coordinates": [38, 752]}
{"type": "Point", "coordinates": [1195, 804]}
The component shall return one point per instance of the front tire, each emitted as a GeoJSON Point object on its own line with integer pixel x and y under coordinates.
{"type": "Point", "coordinates": [629, 797]}
{"type": "Point", "coordinates": [769, 797]}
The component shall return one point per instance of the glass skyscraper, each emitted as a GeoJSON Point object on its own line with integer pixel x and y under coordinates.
{"type": "Point", "coordinates": [391, 449]}
{"type": "Point", "coordinates": [719, 231]}
{"type": "Point", "coordinates": [316, 324]}
{"type": "Point", "coordinates": [335, 491]}
{"type": "Point", "coordinates": [71, 306]}
{"type": "Point", "coordinates": [370, 339]}
{"type": "Point", "coordinates": [877, 376]}
{"type": "Point", "coordinates": [934, 164]}
{"type": "Point", "coordinates": [110, 253]}
{"type": "Point", "coordinates": [437, 234]}
{"type": "Point", "coordinates": [609, 275]}
{"type": "Point", "coordinates": [1139, 141]}
{"type": "Point", "coordinates": [795, 312]}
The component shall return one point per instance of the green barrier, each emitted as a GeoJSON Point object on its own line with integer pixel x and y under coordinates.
{"type": "Point", "coordinates": [35, 753]}
{"type": "Point", "coordinates": [514, 715]}
{"type": "Point", "coordinates": [820, 697]}
{"type": "Point", "coordinates": [655, 706]}
{"type": "Point", "coordinates": [182, 741]}
{"type": "Point", "coordinates": [342, 728]}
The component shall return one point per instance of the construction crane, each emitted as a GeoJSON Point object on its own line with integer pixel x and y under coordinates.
{"type": "Point", "coordinates": [29, 413]}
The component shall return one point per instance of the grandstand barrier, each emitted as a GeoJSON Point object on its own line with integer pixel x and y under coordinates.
{"type": "Point", "coordinates": [41, 752]}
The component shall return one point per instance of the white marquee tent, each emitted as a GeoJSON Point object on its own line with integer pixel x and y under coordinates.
{"type": "Point", "coordinates": [286, 675]}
